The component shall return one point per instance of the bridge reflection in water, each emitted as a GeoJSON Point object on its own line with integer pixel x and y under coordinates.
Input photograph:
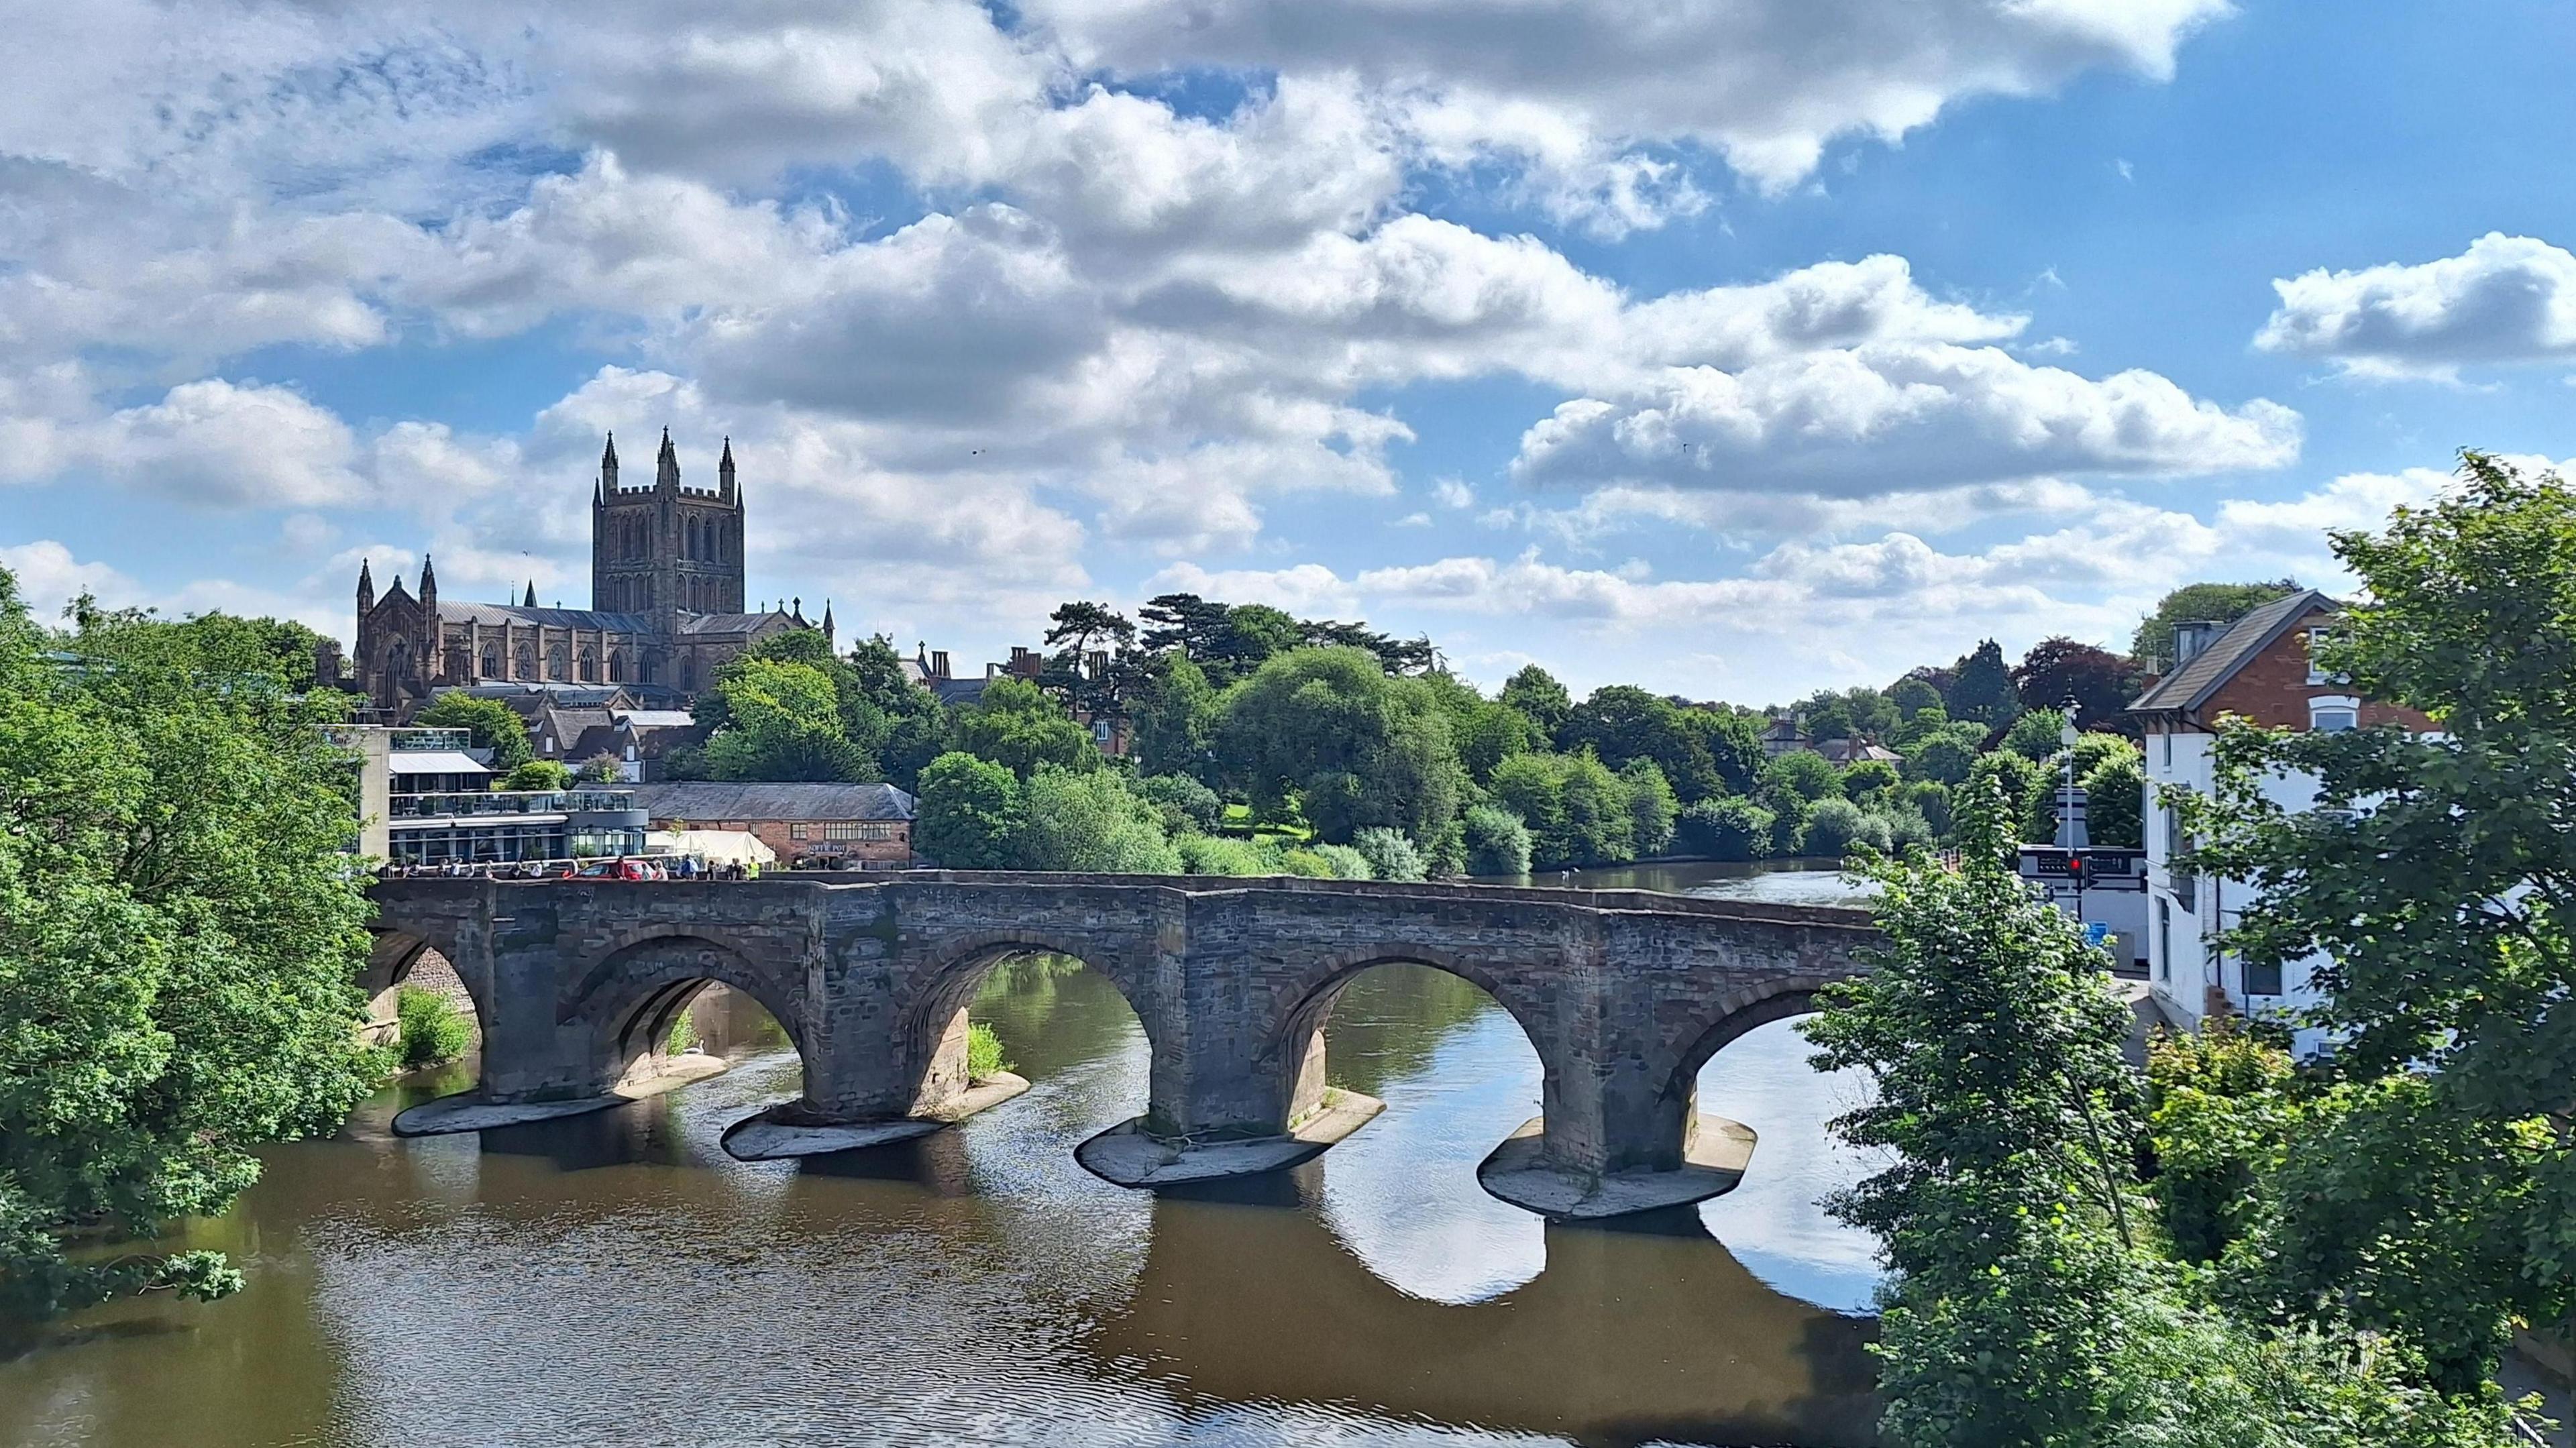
{"type": "Point", "coordinates": [620, 1275]}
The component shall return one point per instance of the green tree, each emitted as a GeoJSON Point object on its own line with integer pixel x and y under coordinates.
{"type": "Point", "coordinates": [180, 933]}
{"type": "Point", "coordinates": [1014, 724]}
{"type": "Point", "coordinates": [488, 723]}
{"type": "Point", "coordinates": [1867, 779]}
{"type": "Point", "coordinates": [1836, 827]}
{"type": "Point", "coordinates": [1912, 696]}
{"type": "Point", "coordinates": [1652, 808]}
{"type": "Point", "coordinates": [1982, 690]}
{"type": "Point", "coordinates": [2153, 643]}
{"type": "Point", "coordinates": [2024, 783]}
{"type": "Point", "coordinates": [1389, 854]}
{"type": "Point", "coordinates": [1944, 755]}
{"type": "Point", "coordinates": [1485, 731]}
{"type": "Point", "coordinates": [1185, 806]}
{"type": "Point", "coordinates": [538, 774]}
{"type": "Point", "coordinates": [1329, 732]}
{"type": "Point", "coordinates": [1727, 829]}
{"type": "Point", "coordinates": [969, 813]}
{"type": "Point", "coordinates": [2035, 735]}
{"type": "Point", "coordinates": [2115, 792]}
{"type": "Point", "coordinates": [915, 727]}
{"type": "Point", "coordinates": [1096, 668]}
{"type": "Point", "coordinates": [782, 722]}
{"type": "Point", "coordinates": [2447, 980]}
{"type": "Point", "coordinates": [1496, 841]}
{"type": "Point", "coordinates": [1540, 699]}
{"type": "Point", "coordinates": [1621, 722]}
{"type": "Point", "coordinates": [1087, 822]}
{"type": "Point", "coordinates": [1577, 810]}
{"type": "Point", "coordinates": [1175, 721]}
{"type": "Point", "coordinates": [1804, 775]}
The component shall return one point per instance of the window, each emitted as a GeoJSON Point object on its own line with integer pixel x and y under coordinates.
{"type": "Point", "coordinates": [2262, 980]}
{"type": "Point", "coordinates": [590, 666]}
{"type": "Point", "coordinates": [797, 832]}
{"type": "Point", "coordinates": [2164, 941]}
{"type": "Point", "coordinates": [559, 662]}
{"type": "Point", "coordinates": [2164, 750]}
{"type": "Point", "coordinates": [527, 661]}
{"type": "Point", "coordinates": [2316, 674]}
{"type": "Point", "coordinates": [491, 661]}
{"type": "Point", "coordinates": [841, 830]}
{"type": "Point", "coordinates": [2334, 713]}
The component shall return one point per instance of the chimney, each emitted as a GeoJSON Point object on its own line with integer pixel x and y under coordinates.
{"type": "Point", "coordinates": [2190, 638]}
{"type": "Point", "coordinates": [938, 664]}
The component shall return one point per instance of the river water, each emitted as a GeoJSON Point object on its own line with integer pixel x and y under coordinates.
{"type": "Point", "coordinates": [618, 1278]}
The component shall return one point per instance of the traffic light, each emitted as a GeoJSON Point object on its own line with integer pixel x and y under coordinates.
{"type": "Point", "coordinates": [2075, 865]}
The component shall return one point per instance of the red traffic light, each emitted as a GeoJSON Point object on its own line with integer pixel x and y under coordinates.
{"type": "Point", "coordinates": [2074, 863]}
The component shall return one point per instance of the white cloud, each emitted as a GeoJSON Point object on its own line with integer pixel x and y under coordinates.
{"type": "Point", "coordinates": [1309, 589]}
{"type": "Point", "coordinates": [2506, 299]}
{"type": "Point", "coordinates": [212, 442]}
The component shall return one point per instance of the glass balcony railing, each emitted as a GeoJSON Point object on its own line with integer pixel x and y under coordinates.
{"type": "Point", "coordinates": [441, 740]}
{"type": "Point", "coordinates": [510, 802]}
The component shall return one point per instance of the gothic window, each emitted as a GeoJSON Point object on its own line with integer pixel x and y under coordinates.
{"type": "Point", "coordinates": [559, 662]}
{"type": "Point", "coordinates": [527, 660]}
{"type": "Point", "coordinates": [616, 666]}
{"type": "Point", "coordinates": [589, 665]}
{"type": "Point", "coordinates": [689, 673]}
{"type": "Point", "coordinates": [491, 661]}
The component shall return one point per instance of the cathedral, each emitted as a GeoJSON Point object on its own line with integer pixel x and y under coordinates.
{"type": "Point", "coordinates": [666, 604]}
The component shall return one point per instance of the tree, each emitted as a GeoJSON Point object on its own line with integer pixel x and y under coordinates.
{"type": "Point", "coordinates": [1868, 777]}
{"type": "Point", "coordinates": [2022, 781]}
{"type": "Point", "coordinates": [2100, 682]}
{"type": "Point", "coordinates": [1540, 699]}
{"type": "Point", "coordinates": [216, 645]}
{"type": "Point", "coordinates": [1088, 822]}
{"type": "Point", "coordinates": [1621, 722]}
{"type": "Point", "coordinates": [1727, 829]}
{"type": "Point", "coordinates": [180, 933]}
{"type": "Point", "coordinates": [1186, 806]}
{"type": "Point", "coordinates": [2115, 791]}
{"type": "Point", "coordinates": [488, 723]}
{"type": "Point", "coordinates": [783, 722]}
{"type": "Point", "coordinates": [1912, 695]}
{"type": "Point", "coordinates": [1651, 807]}
{"type": "Point", "coordinates": [2036, 735]}
{"type": "Point", "coordinates": [915, 726]}
{"type": "Point", "coordinates": [1497, 843]}
{"type": "Point", "coordinates": [1484, 731]}
{"type": "Point", "coordinates": [1330, 733]}
{"type": "Point", "coordinates": [1848, 714]}
{"type": "Point", "coordinates": [2153, 644]}
{"type": "Point", "coordinates": [1175, 722]}
{"type": "Point", "coordinates": [1578, 812]}
{"type": "Point", "coordinates": [1983, 690]}
{"type": "Point", "coordinates": [1945, 755]}
{"type": "Point", "coordinates": [1804, 775]}
{"type": "Point", "coordinates": [538, 774]}
{"type": "Point", "coordinates": [969, 813]}
{"type": "Point", "coordinates": [1389, 854]}
{"type": "Point", "coordinates": [1095, 669]}
{"type": "Point", "coordinates": [2448, 979]}
{"type": "Point", "coordinates": [1014, 724]}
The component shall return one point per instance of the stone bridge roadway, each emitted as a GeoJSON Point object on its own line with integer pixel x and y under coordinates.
{"type": "Point", "coordinates": [1623, 994]}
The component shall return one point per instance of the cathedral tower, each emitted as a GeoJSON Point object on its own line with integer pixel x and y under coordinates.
{"type": "Point", "coordinates": [669, 549]}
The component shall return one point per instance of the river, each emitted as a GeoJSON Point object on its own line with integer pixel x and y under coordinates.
{"type": "Point", "coordinates": [618, 1278]}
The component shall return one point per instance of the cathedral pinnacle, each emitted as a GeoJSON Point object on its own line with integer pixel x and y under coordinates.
{"type": "Point", "coordinates": [666, 468]}
{"type": "Point", "coordinates": [607, 468]}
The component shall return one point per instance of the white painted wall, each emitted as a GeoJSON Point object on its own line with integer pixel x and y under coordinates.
{"type": "Point", "coordinates": [2182, 965]}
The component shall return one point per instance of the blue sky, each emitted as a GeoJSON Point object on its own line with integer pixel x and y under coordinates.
{"type": "Point", "coordinates": [1732, 347]}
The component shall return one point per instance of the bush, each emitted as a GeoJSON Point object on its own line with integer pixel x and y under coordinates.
{"type": "Point", "coordinates": [1307, 863]}
{"type": "Point", "coordinates": [1906, 827]}
{"type": "Point", "coordinates": [1727, 829]}
{"type": "Point", "coordinates": [1219, 855]}
{"type": "Point", "coordinates": [984, 1058]}
{"type": "Point", "coordinates": [1868, 777]}
{"type": "Point", "coordinates": [1835, 825]}
{"type": "Point", "coordinates": [1345, 862]}
{"type": "Point", "coordinates": [598, 769]}
{"type": "Point", "coordinates": [538, 774]}
{"type": "Point", "coordinates": [684, 1034]}
{"type": "Point", "coordinates": [1389, 854]}
{"type": "Point", "coordinates": [1187, 807]}
{"type": "Point", "coordinates": [1931, 799]}
{"type": "Point", "coordinates": [431, 1029]}
{"type": "Point", "coordinates": [1497, 843]}
{"type": "Point", "coordinates": [1088, 823]}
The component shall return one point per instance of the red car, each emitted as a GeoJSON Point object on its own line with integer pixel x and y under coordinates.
{"type": "Point", "coordinates": [618, 870]}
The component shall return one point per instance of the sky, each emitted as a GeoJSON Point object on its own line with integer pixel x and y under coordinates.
{"type": "Point", "coordinates": [1734, 348]}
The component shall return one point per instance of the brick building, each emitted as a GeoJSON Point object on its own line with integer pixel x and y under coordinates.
{"type": "Point", "coordinates": [2260, 668]}
{"type": "Point", "coordinates": [835, 823]}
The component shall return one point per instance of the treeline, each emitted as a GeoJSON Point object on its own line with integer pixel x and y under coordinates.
{"type": "Point", "coordinates": [1260, 742]}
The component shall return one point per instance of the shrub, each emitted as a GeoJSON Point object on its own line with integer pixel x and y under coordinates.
{"type": "Point", "coordinates": [1497, 843]}
{"type": "Point", "coordinates": [1835, 825]}
{"type": "Point", "coordinates": [1298, 862]}
{"type": "Point", "coordinates": [538, 774]}
{"type": "Point", "coordinates": [431, 1029]}
{"type": "Point", "coordinates": [1868, 777]}
{"type": "Point", "coordinates": [1727, 829]}
{"type": "Point", "coordinates": [1389, 854]}
{"type": "Point", "coordinates": [1186, 806]}
{"type": "Point", "coordinates": [984, 1057]}
{"type": "Point", "coordinates": [1087, 822]}
{"type": "Point", "coordinates": [1906, 827]}
{"type": "Point", "coordinates": [1220, 855]}
{"type": "Point", "coordinates": [1345, 862]}
{"type": "Point", "coordinates": [684, 1034]}
{"type": "Point", "coordinates": [1931, 799]}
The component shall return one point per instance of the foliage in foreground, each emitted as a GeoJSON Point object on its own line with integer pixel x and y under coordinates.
{"type": "Point", "coordinates": [985, 1058]}
{"type": "Point", "coordinates": [2028, 1303]}
{"type": "Point", "coordinates": [179, 939]}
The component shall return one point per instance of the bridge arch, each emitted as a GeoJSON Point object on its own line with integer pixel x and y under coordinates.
{"type": "Point", "coordinates": [1293, 1048]}
{"type": "Point", "coordinates": [931, 1036]}
{"type": "Point", "coordinates": [1738, 1013]}
{"type": "Point", "coordinates": [625, 1003]}
{"type": "Point", "coordinates": [394, 952]}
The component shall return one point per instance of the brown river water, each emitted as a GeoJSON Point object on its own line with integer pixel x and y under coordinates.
{"type": "Point", "coordinates": [618, 1279]}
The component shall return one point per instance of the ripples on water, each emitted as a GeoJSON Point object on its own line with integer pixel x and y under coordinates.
{"type": "Point", "coordinates": [617, 1278]}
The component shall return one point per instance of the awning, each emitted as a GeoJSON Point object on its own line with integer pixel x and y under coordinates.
{"type": "Point", "coordinates": [434, 761]}
{"type": "Point", "coordinates": [716, 847]}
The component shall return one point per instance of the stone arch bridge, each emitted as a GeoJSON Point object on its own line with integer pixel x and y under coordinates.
{"type": "Point", "coordinates": [1624, 995]}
